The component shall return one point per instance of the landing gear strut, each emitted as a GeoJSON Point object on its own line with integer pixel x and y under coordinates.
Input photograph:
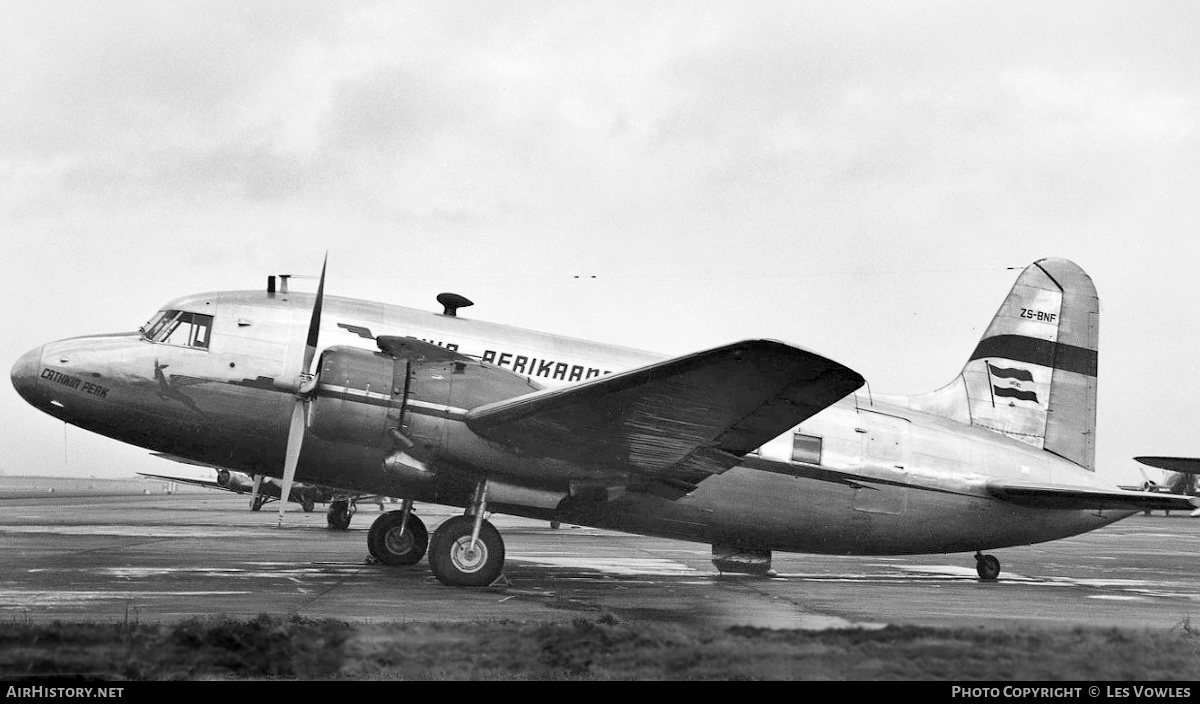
{"type": "Point", "coordinates": [467, 551]}
{"type": "Point", "coordinates": [987, 566]}
{"type": "Point", "coordinates": [398, 537]}
{"type": "Point", "coordinates": [257, 502]}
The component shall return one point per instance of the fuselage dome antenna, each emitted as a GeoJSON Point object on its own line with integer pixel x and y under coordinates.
{"type": "Point", "coordinates": [451, 302]}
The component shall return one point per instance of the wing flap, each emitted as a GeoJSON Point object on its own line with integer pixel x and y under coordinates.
{"type": "Point", "coordinates": [1080, 498]}
{"type": "Point", "coordinates": [684, 418]}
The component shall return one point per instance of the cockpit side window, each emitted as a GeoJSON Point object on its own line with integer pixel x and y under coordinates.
{"type": "Point", "coordinates": [179, 327]}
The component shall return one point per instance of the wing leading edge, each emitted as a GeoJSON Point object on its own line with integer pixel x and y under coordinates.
{"type": "Point", "coordinates": [1080, 498]}
{"type": "Point", "coordinates": [676, 421]}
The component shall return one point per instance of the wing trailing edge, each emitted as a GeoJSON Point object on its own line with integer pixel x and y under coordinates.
{"type": "Point", "coordinates": [675, 421]}
{"type": "Point", "coordinates": [1081, 498]}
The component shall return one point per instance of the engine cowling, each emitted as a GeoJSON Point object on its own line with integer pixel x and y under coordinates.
{"type": "Point", "coordinates": [234, 481]}
{"type": "Point", "coordinates": [400, 398]}
{"type": "Point", "coordinates": [354, 394]}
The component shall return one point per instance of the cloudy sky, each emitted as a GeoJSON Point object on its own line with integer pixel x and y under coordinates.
{"type": "Point", "coordinates": [864, 179]}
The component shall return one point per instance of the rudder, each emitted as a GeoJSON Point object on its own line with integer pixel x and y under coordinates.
{"type": "Point", "coordinates": [1032, 377]}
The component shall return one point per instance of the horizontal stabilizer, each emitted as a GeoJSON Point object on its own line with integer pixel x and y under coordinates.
{"type": "Point", "coordinates": [1081, 498]}
{"type": "Point", "coordinates": [1183, 465]}
{"type": "Point", "coordinates": [678, 420]}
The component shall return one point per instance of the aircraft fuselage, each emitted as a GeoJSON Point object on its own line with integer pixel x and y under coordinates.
{"type": "Point", "coordinates": [868, 475]}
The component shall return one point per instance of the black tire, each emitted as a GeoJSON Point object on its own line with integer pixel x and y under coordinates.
{"type": "Point", "coordinates": [256, 504]}
{"type": "Point", "coordinates": [390, 547]}
{"type": "Point", "coordinates": [307, 504]}
{"type": "Point", "coordinates": [988, 567]}
{"type": "Point", "coordinates": [338, 516]}
{"type": "Point", "coordinates": [454, 565]}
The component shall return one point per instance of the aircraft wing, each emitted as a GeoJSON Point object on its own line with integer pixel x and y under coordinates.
{"type": "Point", "coordinates": [210, 483]}
{"type": "Point", "coordinates": [674, 422]}
{"type": "Point", "coordinates": [1080, 498]}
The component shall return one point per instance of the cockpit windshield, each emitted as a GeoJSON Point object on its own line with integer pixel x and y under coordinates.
{"type": "Point", "coordinates": [179, 327]}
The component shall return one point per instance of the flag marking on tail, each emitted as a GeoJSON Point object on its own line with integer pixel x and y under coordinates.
{"type": "Point", "coordinates": [1018, 374]}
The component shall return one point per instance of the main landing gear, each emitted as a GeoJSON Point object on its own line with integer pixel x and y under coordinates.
{"type": "Point", "coordinates": [339, 513]}
{"type": "Point", "coordinates": [467, 551]}
{"type": "Point", "coordinates": [398, 537]}
{"type": "Point", "coordinates": [464, 551]}
{"type": "Point", "coordinates": [987, 566]}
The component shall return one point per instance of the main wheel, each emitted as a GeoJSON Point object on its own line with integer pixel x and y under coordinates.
{"type": "Point", "coordinates": [339, 514]}
{"type": "Point", "coordinates": [988, 567]}
{"type": "Point", "coordinates": [391, 547]}
{"type": "Point", "coordinates": [307, 504]}
{"type": "Point", "coordinates": [456, 563]}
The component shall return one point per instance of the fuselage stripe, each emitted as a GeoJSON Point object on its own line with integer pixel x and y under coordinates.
{"type": "Point", "coordinates": [371, 398]}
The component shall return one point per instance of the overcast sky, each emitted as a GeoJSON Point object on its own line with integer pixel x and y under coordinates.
{"type": "Point", "coordinates": [864, 179]}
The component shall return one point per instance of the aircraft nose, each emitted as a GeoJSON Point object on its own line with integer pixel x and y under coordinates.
{"type": "Point", "coordinates": [25, 373]}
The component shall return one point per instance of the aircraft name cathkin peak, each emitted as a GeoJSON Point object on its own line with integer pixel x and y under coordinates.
{"type": "Point", "coordinates": [71, 382]}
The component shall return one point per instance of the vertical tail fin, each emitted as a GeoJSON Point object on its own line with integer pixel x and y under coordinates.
{"type": "Point", "coordinates": [1032, 376]}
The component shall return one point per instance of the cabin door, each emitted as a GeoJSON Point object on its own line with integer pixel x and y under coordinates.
{"type": "Point", "coordinates": [884, 469]}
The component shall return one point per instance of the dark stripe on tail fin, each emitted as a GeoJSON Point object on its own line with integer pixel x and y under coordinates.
{"type": "Point", "coordinates": [1031, 350]}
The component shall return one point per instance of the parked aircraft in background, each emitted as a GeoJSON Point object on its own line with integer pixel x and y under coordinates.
{"type": "Point", "coordinates": [1179, 476]}
{"type": "Point", "coordinates": [342, 504]}
{"type": "Point", "coordinates": [751, 447]}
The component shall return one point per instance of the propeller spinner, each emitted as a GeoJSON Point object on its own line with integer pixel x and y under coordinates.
{"type": "Point", "coordinates": [305, 384]}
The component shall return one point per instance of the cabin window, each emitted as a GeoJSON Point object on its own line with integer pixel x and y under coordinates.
{"type": "Point", "coordinates": [806, 448]}
{"type": "Point", "coordinates": [179, 327]}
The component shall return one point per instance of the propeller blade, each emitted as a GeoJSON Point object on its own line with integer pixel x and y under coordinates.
{"type": "Point", "coordinates": [304, 387]}
{"type": "Point", "coordinates": [295, 440]}
{"type": "Point", "coordinates": [314, 325]}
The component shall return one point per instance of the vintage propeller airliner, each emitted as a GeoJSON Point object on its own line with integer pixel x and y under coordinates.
{"type": "Point", "coordinates": [751, 447]}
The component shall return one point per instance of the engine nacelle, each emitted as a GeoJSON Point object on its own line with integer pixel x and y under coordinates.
{"type": "Point", "coordinates": [234, 481]}
{"type": "Point", "coordinates": [353, 396]}
{"type": "Point", "coordinates": [399, 399]}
